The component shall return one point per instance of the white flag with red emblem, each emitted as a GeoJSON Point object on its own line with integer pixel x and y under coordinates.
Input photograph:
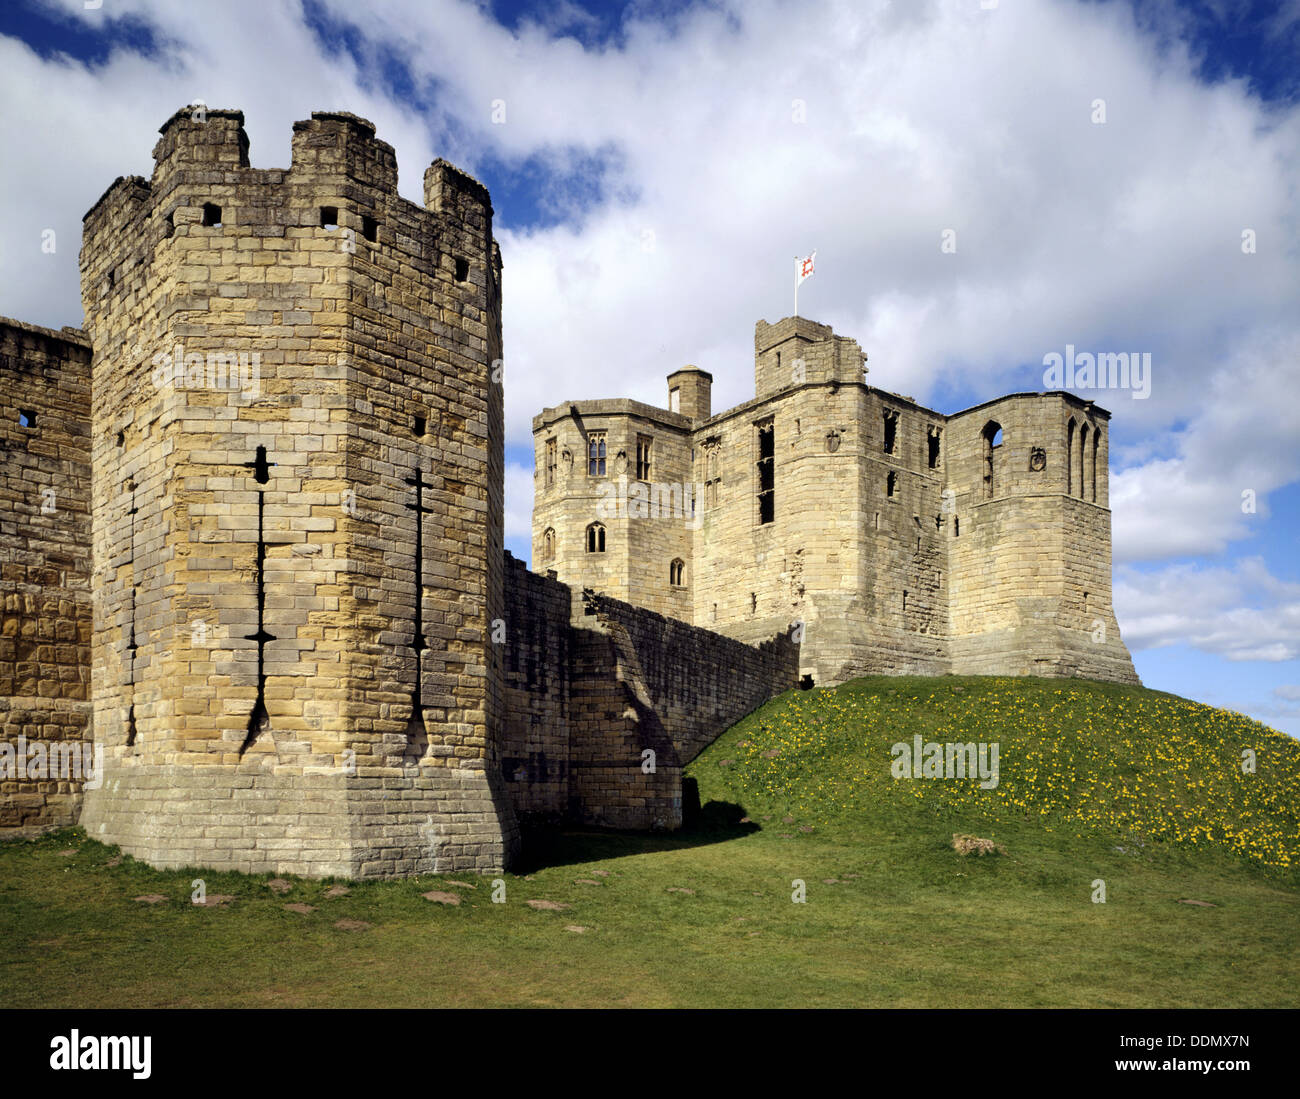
{"type": "Point", "coordinates": [803, 269]}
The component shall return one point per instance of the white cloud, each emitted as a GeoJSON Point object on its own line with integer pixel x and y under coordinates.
{"type": "Point", "coordinates": [1238, 447]}
{"type": "Point", "coordinates": [919, 118]}
{"type": "Point", "coordinates": [1238, 612]}
{"type": "Point", "coordinates": [81, 127]}
{"type": "Point", "coordinates": [519, 502]}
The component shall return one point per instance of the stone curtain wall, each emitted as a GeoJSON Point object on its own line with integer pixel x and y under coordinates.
{"type": "Point", "coordinates": [699, 683]}
{"type": "Point", "coordinates": [592, 682]}
{"type": "Point", "coordinates": [44, 568]}
{"type": "Point", "coordinates": [613, 783]}
{"type": "Point", "coordinates": [538, 670]}
{"type": "Point", "coordinates": [297, 559]}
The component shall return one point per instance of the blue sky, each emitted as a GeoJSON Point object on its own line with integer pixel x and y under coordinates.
{"type": "Point", "coordinates": [652, 177]}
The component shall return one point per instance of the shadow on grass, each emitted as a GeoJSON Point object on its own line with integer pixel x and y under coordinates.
{"type": "Point", "coordinates": [566, 844]}
{"type": "Point", "coordinates": [546, 842]}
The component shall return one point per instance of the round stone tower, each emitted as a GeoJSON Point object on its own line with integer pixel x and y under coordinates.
{"type": "Point", "coordinates": [297, 509]}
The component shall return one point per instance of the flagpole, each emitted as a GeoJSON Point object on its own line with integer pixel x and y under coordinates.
{"type": "Point", "coordinates": [796, 286]}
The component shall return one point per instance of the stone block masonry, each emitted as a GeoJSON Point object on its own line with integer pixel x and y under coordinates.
{"type": "Point", "coordinates": [251, 534]}
{"type": "Point", "coordinates": [296, 573]}
{"type": "Point", "coordinates": [594, 682]}
{"type": "Point", "coordinates": [44, 573]}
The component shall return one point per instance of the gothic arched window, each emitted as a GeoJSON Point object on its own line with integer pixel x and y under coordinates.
{"type": "Point", "coordinates": [1069, 457]}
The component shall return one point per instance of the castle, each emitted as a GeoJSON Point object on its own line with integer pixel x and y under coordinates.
{"type": "Point", "coordinates": [251, 536]}
{"type": "Point", "coordinates": [893, 538]}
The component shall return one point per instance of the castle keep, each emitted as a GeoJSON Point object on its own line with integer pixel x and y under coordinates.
{"type": "Point", "coordinates": [892, 538]}
{"type": "Point", "coordinates": [251, 540]}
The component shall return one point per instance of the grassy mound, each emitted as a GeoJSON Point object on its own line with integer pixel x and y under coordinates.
{"type": "Point", "coordinates": [1074, 756]}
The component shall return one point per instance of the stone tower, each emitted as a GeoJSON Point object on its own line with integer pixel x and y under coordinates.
{"type": "Point", "coordinates": [297, 446]}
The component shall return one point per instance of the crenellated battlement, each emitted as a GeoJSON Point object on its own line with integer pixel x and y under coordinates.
{"type": "Point", "coordinates": [796, 350]}
{"type": "Point", "coordinates": [279, 458]}
{"type": "Point", "coordinates": [276, 454]}
{"type": "Point", "coordinates": [204, 195]}
{"type": "Point", "coordinates": [197, 139]}
{"type": "Point", "coordinates": [344, 146]}
{"type": "Point", "coordinates": [447, 189]}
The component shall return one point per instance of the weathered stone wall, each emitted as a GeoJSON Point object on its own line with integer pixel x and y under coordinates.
{"type": "Point", "coordinates": [613, 783]}
{"type": "Point", "coordinates": [905, 625]}
{"type": "Point", "coordinates": [538, 660]}
{"type": "Point", "coordinates": [690, 393]}
{"type": "Point", "coordinates": [796, 350]}
{"type": "Point", "coordinates": [647, 523]}
{"type": "Point", "coordinates": [1031, 568]}
{"type": "Point", "coordinates": [698, 683]}
{"type": "Point", "coordinates": [593, 682]}
{"type": "Point", "coordinates": [309, 651]}
{"type": "Point", "coordinates": [663, 514]}
{"type": "Point", "coordinates": [261, 631]}
{"type": "Point", "coordinates": [44, 574]}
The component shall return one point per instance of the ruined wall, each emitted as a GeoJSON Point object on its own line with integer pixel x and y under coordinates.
{"type": "Point", "coordinates": [796, 350]}
{"type": "Point", "coordinates": [44, 574]}
{"type": "Point", "coordinates": [293, 665]}
{"type": "Point", "coordinates": [861, 570]}
{"type": "Point", "coordinates": [903, 577]}
{"type": "Point", "coordinates": [758, 579]}
{"type": "Point", "coordinates": [592, 682]}
{"type": "Point", "coordinates": [804, 566]}
{"type": "Point", "coordinates": [612, 724]}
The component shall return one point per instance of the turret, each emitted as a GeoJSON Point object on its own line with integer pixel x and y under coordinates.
{"type": "Point", "coordinates": [796, 351]}
{"type": "Point", "coordinates": [689, 392]}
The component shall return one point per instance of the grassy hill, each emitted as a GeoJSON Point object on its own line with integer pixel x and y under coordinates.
{"type": "Point", "coordinates": [1075, 758]}
{"type": "Point", "coordinates": [1097, 783]}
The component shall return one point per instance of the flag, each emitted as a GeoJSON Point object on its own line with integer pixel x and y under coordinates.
{"type": "Point", "coordinates": [804, 268]}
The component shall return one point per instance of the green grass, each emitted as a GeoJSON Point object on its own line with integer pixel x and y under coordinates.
{"type": "Point", "coordinates": [1137, 788]}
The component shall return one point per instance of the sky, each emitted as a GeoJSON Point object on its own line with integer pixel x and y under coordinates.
{"type": "Point", "coordinates": [986, 183]}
